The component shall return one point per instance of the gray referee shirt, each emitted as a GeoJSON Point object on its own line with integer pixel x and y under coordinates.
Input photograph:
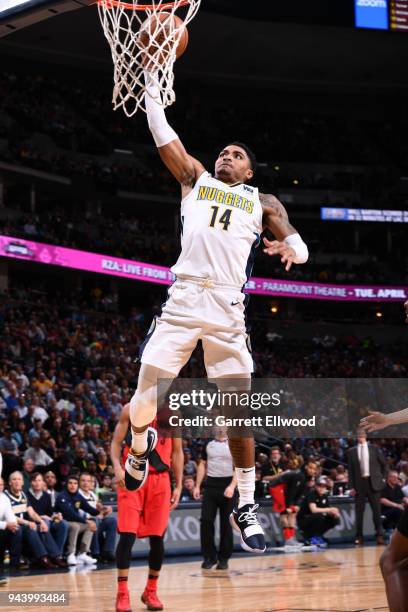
{"type": "Point", "coordinates": [219, 460]}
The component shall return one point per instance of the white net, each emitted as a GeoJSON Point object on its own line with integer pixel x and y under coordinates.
{"type": "Point", "coordinates": [144, 37]}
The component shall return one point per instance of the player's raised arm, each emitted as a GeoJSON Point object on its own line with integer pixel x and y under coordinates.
{"type": "Point", "coordinates": [183, 167]}
{"type": "Point", "coordinates": [288, 244]}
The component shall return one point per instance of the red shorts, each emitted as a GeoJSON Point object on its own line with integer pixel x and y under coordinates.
{"type": "Point", "coordinates": [145, 512]}
{"type": "Point", "coordinates": [278, 498]}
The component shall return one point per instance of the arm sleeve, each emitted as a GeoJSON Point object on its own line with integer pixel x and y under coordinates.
{"type": "Point", "coordinates": [161, 131]}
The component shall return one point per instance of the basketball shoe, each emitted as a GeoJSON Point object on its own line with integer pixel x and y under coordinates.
{"type": "Point", "coordinates": [245, 521]}
{"type": "Point", "coordinates": [150, 599]}
{"type": "Point", "coordinates": [123, 601]}
{"type": "Point", "coordinates": [137, 466]}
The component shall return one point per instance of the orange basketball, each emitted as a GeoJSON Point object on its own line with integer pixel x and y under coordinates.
{"type": "Point", "coordinates": [155, 35]}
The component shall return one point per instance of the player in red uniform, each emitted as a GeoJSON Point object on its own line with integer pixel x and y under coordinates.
{"type": "Point", "coordinates": [144, 512]}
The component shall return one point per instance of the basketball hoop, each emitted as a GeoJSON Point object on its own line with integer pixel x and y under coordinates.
{"type": "Point", "coordinates": [144, 37]}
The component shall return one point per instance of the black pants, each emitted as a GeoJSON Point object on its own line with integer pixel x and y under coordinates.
{"type": "Point", "coordinates": [392, 517]}
{"type": "Point", "coordinates": [213, 500]}
{"type": "Point", "coordinates": [13, 543]}
{"type": "Point", "coordinates": [317, 524]}
{"type": "Point", "coordinates": [366, 492]}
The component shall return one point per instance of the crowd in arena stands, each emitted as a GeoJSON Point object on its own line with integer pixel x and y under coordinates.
{"type": "Point", "coordinates": [78, 114]}
{"type": "Point", "coordinates": [45, 119]}
{"type": "Point", "coordinates": [67, 366]}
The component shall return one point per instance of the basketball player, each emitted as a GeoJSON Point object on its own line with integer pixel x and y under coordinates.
{"type": "Point", "coordinates": [394, 560]}
{"type": "Point", "coordinates": [145, 512]}
{"type": "Point", "coordinates": [222, 219]}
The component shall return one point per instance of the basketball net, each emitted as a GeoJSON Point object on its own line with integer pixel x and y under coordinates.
{"type": "Point", "coordinates": [139, 41]}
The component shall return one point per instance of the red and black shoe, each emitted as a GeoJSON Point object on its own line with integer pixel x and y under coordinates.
{"type": "Point", "coordinates": [123, 601]}
{"type": "Point", "coordinates": [150, 599]}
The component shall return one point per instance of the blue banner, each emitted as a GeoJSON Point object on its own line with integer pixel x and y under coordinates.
{"type": "Point", "coordinates": [372, 14]}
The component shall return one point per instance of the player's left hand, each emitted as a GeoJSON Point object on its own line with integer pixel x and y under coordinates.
{"type": "Point", "coordinates": [274, 247]}
{"type": "Point", "coordinates": [373, 422]}
{"type": "Point", "coordinates": [175, 498]}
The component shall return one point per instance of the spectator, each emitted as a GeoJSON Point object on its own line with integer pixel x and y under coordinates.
{"type": "Point", "coordinates": [275, 465]}
{"type": "Point", "coordinates": [22, 407]}
{"type": "Point", "coordinates": [40, 500]}
{"type": "Point", "coordinates": [75, 509]}
{"type": "Point", "coordinates": [81, 461]}
{"type": "Point", "coordinates": [187, 490]}
{"type": "Point", "coordinates": [393, 501]}
{"type": "Point", "coordinates": [50, 480]}
{"type": "Point", "coordinates": [101, 461]}
{"type": "Point", "coordinates": [106, 485]}
{"type": "Point", "coordinates": [367, 467]}
{"type": "Point", "coordinates": [33, 531]}
{"type": "Point", "coordinates": [190, 466]}
{"type": "Point", "coordinates": [28, 469]}
{"type": "Point", "coordinates": [42, 384]}
{"type": "Point", "coordinates": [37, 454]}
{"type": "Point", "coordinates": [103, 541]}
{"type": "Point", "coordinates": [315, 515]}
{"type": "Point", "coordinates": [9, 451]}
{"type": "Point", "coordinates": [93, 418]}
{"type": "Point", "coordinates": [8, 526]}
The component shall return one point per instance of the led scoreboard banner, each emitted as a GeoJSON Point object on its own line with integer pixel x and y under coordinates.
{"type": "Point", "coordinates": [382, 15]}
{"type": "Point", "coordinates": [363, 214]}
{"type": "Point", "coordinates": [399, 15]}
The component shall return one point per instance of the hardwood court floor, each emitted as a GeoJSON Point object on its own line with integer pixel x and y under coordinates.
{"type": "Point", "coordinates": [337, 580]}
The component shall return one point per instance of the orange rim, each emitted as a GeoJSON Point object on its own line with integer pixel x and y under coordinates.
{"type": "Point", "coordinates": [141, 7]}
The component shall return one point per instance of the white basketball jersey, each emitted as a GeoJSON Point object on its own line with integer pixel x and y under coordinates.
{"type": "Point", "coordinates": [221, 227]}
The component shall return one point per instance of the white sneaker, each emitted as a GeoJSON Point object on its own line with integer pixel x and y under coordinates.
{"type": "Point", "coordinates": [84, 558]}
{"type": "Point", "coordinates": [71, 559]}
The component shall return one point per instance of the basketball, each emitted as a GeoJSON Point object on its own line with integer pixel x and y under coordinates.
{"type": "Point", "coordinates": [159, 33]}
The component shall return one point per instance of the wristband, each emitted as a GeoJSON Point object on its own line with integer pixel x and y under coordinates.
{"type": "Point", "coordinates": [296, 243]}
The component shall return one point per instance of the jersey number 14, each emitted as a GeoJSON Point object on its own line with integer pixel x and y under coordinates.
{"type": "Point", "coordinates": [225, 218]}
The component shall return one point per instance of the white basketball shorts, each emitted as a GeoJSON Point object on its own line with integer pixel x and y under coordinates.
{"type": "Point", "coordinates": [199, 309]}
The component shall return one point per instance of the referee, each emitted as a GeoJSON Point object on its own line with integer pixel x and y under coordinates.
{"type": "Point", "coordinates": [219, 490]}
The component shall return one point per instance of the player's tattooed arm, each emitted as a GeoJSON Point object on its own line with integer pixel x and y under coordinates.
{"type": "Point", "coordinates": [275, 218]}
{"type": "Point", "coordinates": [288, 243]}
